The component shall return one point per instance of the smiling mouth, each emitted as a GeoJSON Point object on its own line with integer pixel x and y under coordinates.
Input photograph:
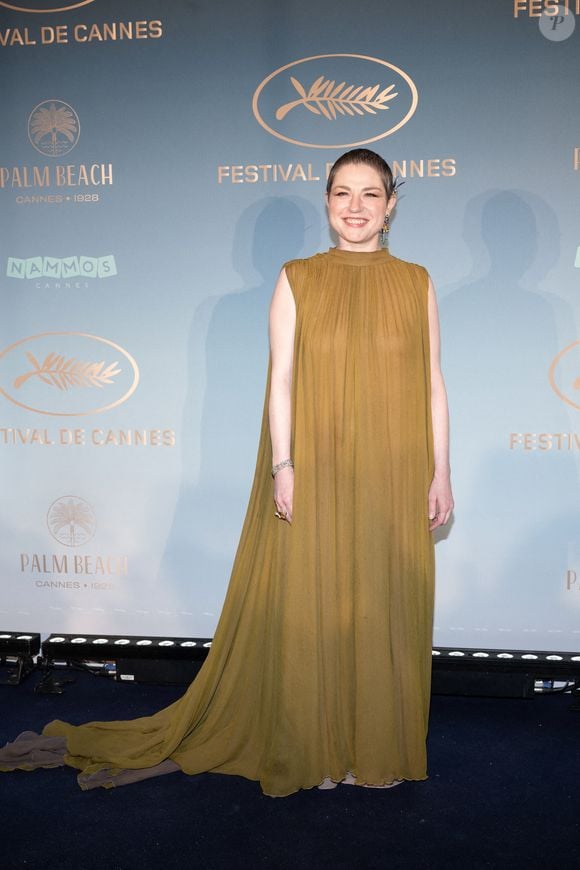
{"type": "Point", "coordinates": [355, 222]}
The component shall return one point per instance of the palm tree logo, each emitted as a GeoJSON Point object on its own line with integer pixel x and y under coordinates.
{"type": "Point", "coordinates": [71, 521]}
{"type": "Point", "coordinates": [54, 128]}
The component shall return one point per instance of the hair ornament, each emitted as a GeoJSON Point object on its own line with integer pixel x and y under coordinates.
{"type": "Point", "coordinates": [397, 183]}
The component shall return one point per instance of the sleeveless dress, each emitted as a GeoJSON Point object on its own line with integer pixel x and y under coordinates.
{"type": "Point", "coordinates": [321, 661]}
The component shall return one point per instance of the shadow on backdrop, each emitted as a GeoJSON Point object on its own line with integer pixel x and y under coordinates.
{"type": "Point", "coordinates": [227, 363]}
{"type": "Point", "coordinates": [505, 569]}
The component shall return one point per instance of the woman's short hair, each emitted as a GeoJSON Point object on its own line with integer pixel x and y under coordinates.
{"type": "Point", "coordinates": [368, 158]}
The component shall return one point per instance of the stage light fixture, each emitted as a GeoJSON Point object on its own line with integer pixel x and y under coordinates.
{"type": "Point", "coordinates": [500, 673]}
{"type": "Point", "coordinates": [17, 650]}
{"type": "Point", "coordinates": [130, 658]}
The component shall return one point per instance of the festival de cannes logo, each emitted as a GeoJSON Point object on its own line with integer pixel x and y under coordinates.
{"type": "Point", "coordinates": [71, 521]}
{"type": "Point", "coordinates": [54, 128]}
{"type": "Point", "coordinates": [38, 7]}
{"type": "Point", "coordinates": [565, 375]}
{"type": "Point", "coordinates": [335, 101]}
{"type": "Point", "coordinates": [67, 374]}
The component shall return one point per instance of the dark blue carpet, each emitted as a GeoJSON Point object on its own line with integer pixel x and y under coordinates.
{"type": "Point", "coordinates": [503, 792]}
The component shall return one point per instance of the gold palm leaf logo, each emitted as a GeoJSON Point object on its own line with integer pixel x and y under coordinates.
{"type": "Point", "coordinates": [24, 6]}
{"type": "Point", "coordinates": [562, 375]}
{"type": "Point", "coordinates": [57, 371]}
{"type": "Point", "coordinates": [80, 379]}
{"type": "Point", "coordinates": [54, 128]}
{"type": "Point", "coordinates": [324, 97]}
{"type": "Point", "coordinates": [71, 521]}
{"type": "Point", "coordinates": [340, 88]}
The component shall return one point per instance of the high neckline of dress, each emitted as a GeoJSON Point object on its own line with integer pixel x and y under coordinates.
{"type": "Point", "coordinates": [360, 258]}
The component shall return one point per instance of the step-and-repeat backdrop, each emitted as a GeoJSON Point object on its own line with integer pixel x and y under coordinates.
{"type": "Point", "coordinates": [159, 161]}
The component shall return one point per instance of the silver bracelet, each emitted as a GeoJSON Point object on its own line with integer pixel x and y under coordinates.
{"type": "Point", "coordinates": [284, 464]}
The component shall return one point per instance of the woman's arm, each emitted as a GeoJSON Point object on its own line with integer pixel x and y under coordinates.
{"type": "Point", "coordinates": [282, 326]}
{"type": "Point", "coordinates": [440, 502]}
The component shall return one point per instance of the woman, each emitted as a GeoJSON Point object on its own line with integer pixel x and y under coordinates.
{"type": "Point", "coordinates": [320, 668]}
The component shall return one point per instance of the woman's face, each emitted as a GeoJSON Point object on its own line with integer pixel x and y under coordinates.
{"type": "Point", "coordinates": [357, 204]}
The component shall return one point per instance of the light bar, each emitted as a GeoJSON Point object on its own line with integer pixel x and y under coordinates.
{"type": "Point", "coordinates": [541, 663]}
{"type": "Point", "coordinates": [16, 653]}
{"type": "Point", "coordinates": [110, 647]}
{"type": "Point", "coordinates": [18, 643]}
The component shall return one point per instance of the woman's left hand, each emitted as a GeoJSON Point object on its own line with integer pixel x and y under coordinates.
{"type": "Point", "coordinates": [440, 502]}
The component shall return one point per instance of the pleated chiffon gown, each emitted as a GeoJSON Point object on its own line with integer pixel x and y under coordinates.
{"type": "Point", "coordinates": [321, 661]}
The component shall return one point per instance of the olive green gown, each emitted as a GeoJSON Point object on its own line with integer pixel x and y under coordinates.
{"type": "Point", "coordinates": [321, 661]}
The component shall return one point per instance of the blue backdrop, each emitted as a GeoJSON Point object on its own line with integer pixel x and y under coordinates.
{"type": "Point", "coordinates": [159, 162]}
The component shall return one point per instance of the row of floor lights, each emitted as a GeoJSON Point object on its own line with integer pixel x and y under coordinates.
{"type": "Point", "coordinates": [123, 641]}
{"type": "Point", "coordinates": [552, 657]}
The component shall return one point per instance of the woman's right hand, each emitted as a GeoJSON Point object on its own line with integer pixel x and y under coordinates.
{"type": "Point", "coordinates": [284, 492]}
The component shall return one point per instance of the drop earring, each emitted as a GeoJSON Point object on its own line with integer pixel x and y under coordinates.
{"type": "Point", "coordinates": [384, 234]}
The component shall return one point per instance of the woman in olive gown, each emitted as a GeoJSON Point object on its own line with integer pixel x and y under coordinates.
{"type": "Point", "coordinates": [320, 668]}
